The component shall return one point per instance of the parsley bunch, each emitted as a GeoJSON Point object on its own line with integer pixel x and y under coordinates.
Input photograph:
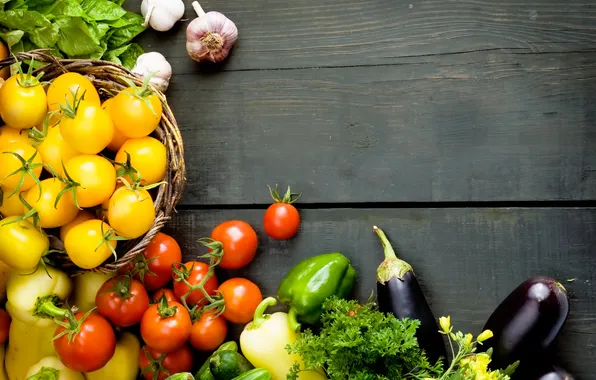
{"type": "Point", "coordinates": [358, 342]}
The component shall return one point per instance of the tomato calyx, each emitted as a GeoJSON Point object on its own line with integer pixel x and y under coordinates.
{"type": "Point", "coordinates": [155, 365]}
{"type": "Point", "coordinates": [121, 287]}
{"type": "Point", "coordinates": [126, 169]}
{"type": "Point", "coordinates": [27, 168]}
{"type": "Point", "coordinates": [143, 92]}
{"type": "Point", "coordinates": [288, 197]}
{"type": "Point", "coordinates": [70, 109]}
{"type": "Point", "coordinates": [38, 136]}
{"type": "Point", "coordinates": [164, 309]}
{"type": "Point", "coordinates": [141, 267]}
{"type": "Point", "coordinates": [182, 273]}
{"type": "Point", "coordinates": [32, 213]}
{"type": "Point", "coordinates": [70, 185]}
{"type": "Point", "coordinates": [107, 237]}
{"type": "Point", "coordinates": [27, 80]}
{"type": "Point", "coordinates": [72, 327]}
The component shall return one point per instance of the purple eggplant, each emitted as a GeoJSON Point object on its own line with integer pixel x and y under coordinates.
{"type": "Point", "coordinates": [527, 322]}
{"type": "Point", "coordinates": [399, 293]}
{"type": "Point", "coordinates": [554, 373]}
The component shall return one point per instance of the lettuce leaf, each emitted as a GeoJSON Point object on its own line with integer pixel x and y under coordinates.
{"type": "Point", "coordinates": [72, 28]}
{"type": "Point", "coordinates": [101, 10]}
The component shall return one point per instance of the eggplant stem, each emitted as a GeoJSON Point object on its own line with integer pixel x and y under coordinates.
{"type": "Point", "coordinates": [392, 266]}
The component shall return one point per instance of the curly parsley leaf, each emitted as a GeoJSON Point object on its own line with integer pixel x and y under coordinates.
{"type": "Point", "coordinates": [359, 342]}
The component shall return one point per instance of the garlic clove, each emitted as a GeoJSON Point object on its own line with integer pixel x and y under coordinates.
{"type": "Point", "coordinates": [154, 63]}
{"type": "Point", "coordinates": [162, 15]}
{"type": "Point", "coordinates": [210, 36]}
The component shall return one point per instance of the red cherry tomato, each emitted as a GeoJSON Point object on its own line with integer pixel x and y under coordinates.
{"type": "Point", "coordinates": [209, 332]}
{"type": "Point", "coordinates": [193, 272]}
{"type": "Point", "coordinates": [168, 293]}
{"type": "Point", "coordinates": [282, 220]}
{"type": "Point", "coordinates": [166, 326]}
{"type": "Point", "coordinates": [4, 326]}
{"type": "Point", "coordinates": [239, 242]}
{"type": "Point", "coordinates": [173, 362]}
{"type": "Point", "coordinates": [91, 348]}
{"type": "Point", "coordinates": [154, 267]}
{"type": "Point", "coordinates": [241, 297]}
{"type": "Point", "coordinates": [122, 300]}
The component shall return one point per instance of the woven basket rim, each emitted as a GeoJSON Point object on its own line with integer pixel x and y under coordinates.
{"type": "Point", "coordinates": [107, 78]}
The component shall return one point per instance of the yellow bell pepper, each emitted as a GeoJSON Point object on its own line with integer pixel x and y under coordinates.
{"type": "Point", "coordinates": [3, 280]}
{"type": "Point", "coordinates": [86, 286]}
{"type": "Point", "coordinates": [263, 342]}
{"type": "Point", "coordinates": [34, 298]}
{"type": "Point", "coordinates": [27, 345]}
{"type": "Point", "coordinates": [51, 367]}
{"type": "Point", "coordinates": [3, 375]}
{"type": "Point", "coordinates": [21, 244]}
{"type": "Point", "coordinates": [124, 365]}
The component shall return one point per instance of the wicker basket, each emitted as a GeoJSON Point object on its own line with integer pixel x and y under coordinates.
{"type": "Point", "coordinates": [106, 78]}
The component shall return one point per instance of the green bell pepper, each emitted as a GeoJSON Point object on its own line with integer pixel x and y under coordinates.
{"type": "Point", "coordinates": [311, 282]}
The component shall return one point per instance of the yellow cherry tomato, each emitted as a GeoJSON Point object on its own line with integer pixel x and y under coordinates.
{"type": "Point", "coordinates": [10, 206]}
{"type": "Point", "coordinates": [118, 138]}
{"type": "Point", "coordinates": [131, 114]}
{"type": "Point", "coordinates": [94, 178]}
{"type": "Point", "coordinates": [21, 244]}
{"type": "Point", "coordinates": [88, 128]}
{"type": "Point", "coordinates": [22, 102]}
{"type": "Point", "coordinates": [60, 89]}
{"type": "Point", "coordinates": [90, 243]}
{"type": "Point", "coordinates": [54, 150]}
{"type": "Point", "coordinates": [9, 135]}
{"type": "Point", "coordinates": [147, 155]}
{"type": "Point", "coordinates": [131, 212]}
{"type": "Point", "coordinates": [50, 213]}
{"type": "Point", "coordinates": [82, 216]}
{"type": "Point", "coordinates": [9, 163]}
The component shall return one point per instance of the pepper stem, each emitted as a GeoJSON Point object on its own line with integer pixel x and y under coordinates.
{"type": "Point", "coordinates": [45, 373]}
{"type": "Point", "coordinates": [293, 320]}
{"type": "Point", "coordinates": [197, 7]}
{"type": "Point", "coordinates": [259, 318]}
{"type": "Point", "coordinates": [46, 307]}
{"type": "Point", "coordinates": [392, 266]}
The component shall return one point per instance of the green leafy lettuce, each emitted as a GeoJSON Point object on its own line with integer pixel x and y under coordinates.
{"type": "Point", "coordinates": [97, 29]}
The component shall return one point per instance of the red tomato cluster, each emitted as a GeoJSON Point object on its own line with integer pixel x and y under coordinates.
{"type": "Point", "coordinates": [181, 305]}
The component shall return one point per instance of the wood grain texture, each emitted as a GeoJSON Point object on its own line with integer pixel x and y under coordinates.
{"type": "Point", "coordinates": [467, 260]}
{"type": "Point", "coordinates": [313, 33]}
{"type": "Point", "coordinates": [481, 126]}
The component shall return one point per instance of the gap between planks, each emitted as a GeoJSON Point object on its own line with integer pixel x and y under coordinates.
{"type": "Point", "coordinates": [402, 205]}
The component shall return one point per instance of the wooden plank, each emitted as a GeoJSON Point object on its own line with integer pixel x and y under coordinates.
{"type": "Point", "coordinates": [467, 260]}
{"type": "Point", "coordinates": [474, 127]}
{"type": "Point", "coordinates": [311, 33]}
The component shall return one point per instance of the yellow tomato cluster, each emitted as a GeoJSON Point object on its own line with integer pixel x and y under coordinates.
{"type": "Point", "coordinates": [54, 174]}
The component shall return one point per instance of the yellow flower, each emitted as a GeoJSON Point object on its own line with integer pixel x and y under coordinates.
{"type": "Point", "coordinates": [468, 340]}
{"type": "Point", "coordinates": [445, 323]}
{"type": "Point", "coordinates": [486, 334]}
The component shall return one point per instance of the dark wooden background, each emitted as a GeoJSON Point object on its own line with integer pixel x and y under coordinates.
{"type": "Point", "coordinates": [466, 129]}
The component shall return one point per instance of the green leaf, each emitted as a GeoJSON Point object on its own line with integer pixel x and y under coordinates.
{"type": "Point", "coordinates": [24, 20]}
{"type": "Point", "coordinates": [45, 37]}
{"type": "Point", "coordinates": [61, 8]}
{"type": "Point", "coordinates": [130, 56]}
{"type": "Point", "coordinates": [76, 40]}
{"type": "Point", "coordinates": [100, 10]}
{"type": "Point", "coordinates": [125, 34]}
{"type": "Point", "coordinates": [17, 4]}
{"type": "Point", "coordinates": [98, 30]}
{"type": "Point", "coordinates": [12, 37]}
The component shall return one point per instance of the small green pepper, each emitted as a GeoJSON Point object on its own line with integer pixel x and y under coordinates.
{"type": "Point", "coordinates": [311, 282]}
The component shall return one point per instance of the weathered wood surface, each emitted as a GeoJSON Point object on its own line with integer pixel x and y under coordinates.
{"type": "Point", "coordinates": [467, 260]}
{"type": "Point", "coordinates": [472, 127]}
{"type": "Point", "coordinates": [388, 101]}
{"type": "Point", "coordinates": [278, 34]}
